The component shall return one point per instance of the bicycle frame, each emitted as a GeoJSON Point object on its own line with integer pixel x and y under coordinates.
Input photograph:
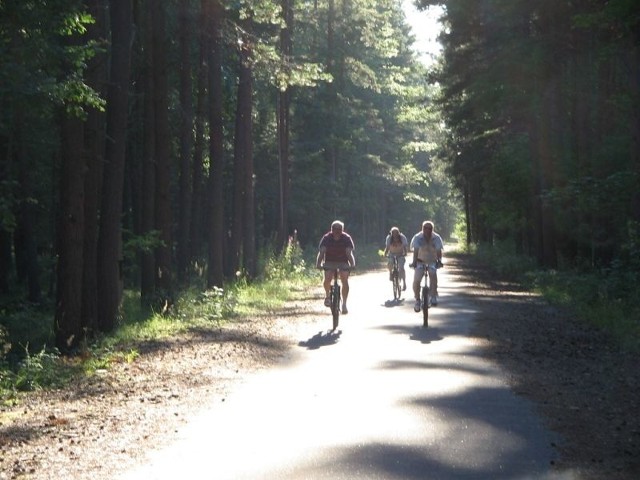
{"type": "Point", "coordinates": [425, 295]}
{"type": "Point", "coordinates": [395, 277]}
{"type": "Point", "coordinates": [335, 297]}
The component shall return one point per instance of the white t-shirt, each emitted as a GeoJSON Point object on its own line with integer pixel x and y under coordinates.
{"type": "Point", "coordinates": [427, 249]}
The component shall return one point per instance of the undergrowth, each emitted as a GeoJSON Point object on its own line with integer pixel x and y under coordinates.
{"type": "Point", "coordinates": [284, 277]}
{"type": "Point", "coordinates": [604, 297]}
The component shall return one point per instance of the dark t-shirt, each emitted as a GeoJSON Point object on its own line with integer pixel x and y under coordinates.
{"type": "Point", "coordinates": [336, 249]}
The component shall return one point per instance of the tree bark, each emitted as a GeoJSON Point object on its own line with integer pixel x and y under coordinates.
{"type": "Point", "coordinates": [163, 217]}
{"type": "Point", "coordinates": [186, 142]}
{"type": "Point", "coordinates": [284, 101]}
{"type": "Point", "coordinates": [110, 233]}
{"type": "Point", "coordinates": [68, 315]}
{"type": "Point", "coordinates": [148, 181]}
{"type": "Point", "coordinates": [24, 219]}
{"type": "Point", "coordinates": [94, 152]}
{"type": "Point", "coordinates": [245, 113]}
{"type": "Point", "coordinates": [198, 198]}
{"type": "Point", "coordinates": [215, 275]}
{"type": "Point", "coordinates": [239, 184]}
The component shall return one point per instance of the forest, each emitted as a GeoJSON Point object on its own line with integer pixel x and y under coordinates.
{"type": "Point", "coordinates": [147, 145]}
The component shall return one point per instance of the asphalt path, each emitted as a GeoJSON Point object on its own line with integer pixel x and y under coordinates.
{"type": "Point", "coordinates": [381, 398]}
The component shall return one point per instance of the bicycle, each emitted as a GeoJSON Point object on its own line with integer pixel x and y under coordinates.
{"type": "Point", "coordinates": [395, 278]}
{"type": "Point", "coordinates": [335, 297]}
{"type": "Point", "coordinates": [425, 296]}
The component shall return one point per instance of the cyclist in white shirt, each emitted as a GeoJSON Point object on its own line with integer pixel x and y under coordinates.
{"type": "Point", "coordinates": [427, 249]}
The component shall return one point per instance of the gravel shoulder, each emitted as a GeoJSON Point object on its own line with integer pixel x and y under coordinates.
{"type": "Point", "coordinates": [587, 391]}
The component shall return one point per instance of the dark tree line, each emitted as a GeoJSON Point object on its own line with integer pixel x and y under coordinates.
{"type": "Point", "coordinates": [542, 102]}
{"type": "Point", "coordinates": [145, 142]}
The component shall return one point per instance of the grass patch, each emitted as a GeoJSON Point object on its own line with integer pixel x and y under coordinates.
{"type": "Point", "coordinates": [283, 280]}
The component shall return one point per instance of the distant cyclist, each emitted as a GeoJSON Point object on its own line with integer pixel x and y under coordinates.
{"type": "Point", "coordinates": [427, 249]}
{"type": "Point", "coordinates": [396, 245]}
{"type": "Point", "coordinates": [336, 251]}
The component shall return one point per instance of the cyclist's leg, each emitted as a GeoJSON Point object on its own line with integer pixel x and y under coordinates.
{"type": "Point", "coordinates": [433, 285]}
{"type": "Point", "coordinates": [403, 276]}
{"type": "Point", "coordinates": [344, 280]}
{"type": "Point", "coordinates": [328, 277]}
{"type": "Point", "coordinates": [390, 265]}
{"type": "Point", "coordinates": [417, 278]}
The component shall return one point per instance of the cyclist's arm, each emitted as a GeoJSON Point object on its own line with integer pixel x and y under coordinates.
{"type": "Point", "coordinates": [414, 249]}
{"type": "Point", "coordinates": [352, 259]}
{"type": "Point", "coordinates": [439, 248]}
{"type": "Point", "coordinates": [320, 257]}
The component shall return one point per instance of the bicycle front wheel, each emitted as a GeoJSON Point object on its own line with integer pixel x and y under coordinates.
{"type": "Point", "coordinates": [396, 286]}
{"type": "Point", "coordinates": [425, 306]}
{"type": "Point", "coordinates": [335, 306]}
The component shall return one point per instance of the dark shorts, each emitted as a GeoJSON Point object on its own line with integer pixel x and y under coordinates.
{"type": "Point", "coordinates": [342, 266]}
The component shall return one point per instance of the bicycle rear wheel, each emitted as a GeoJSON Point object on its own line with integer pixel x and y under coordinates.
{"type": "Point", "coordinates": [396, 285]}
{"type": "Point", "coordinates": [335, 305]}
{"type": "Point", "coordinates": [425, 306]}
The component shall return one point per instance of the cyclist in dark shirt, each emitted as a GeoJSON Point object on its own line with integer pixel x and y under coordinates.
{"type": "Point", "coordinates": [336, 251]}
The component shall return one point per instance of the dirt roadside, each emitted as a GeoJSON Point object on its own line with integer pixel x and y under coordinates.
{"type": "Point", "coordinates": [587, 391]}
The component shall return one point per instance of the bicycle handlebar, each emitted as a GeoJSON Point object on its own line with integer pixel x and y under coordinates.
{"type": "Point", "coordinates": [437, 264]}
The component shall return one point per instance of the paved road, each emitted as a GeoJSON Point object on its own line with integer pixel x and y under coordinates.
{"type": "Point", "coordinates": [381, 399]}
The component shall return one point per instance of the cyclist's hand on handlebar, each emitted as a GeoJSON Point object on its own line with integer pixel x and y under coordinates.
{"type": "Point", "coordinates": [412, 265]}
{"type": "Point", "coordinates": [439, 264]}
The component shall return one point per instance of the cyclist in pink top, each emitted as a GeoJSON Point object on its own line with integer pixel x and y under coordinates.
{"type": "Point", "coordinates": [336, 251]}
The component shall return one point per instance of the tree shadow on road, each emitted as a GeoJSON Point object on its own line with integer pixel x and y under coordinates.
{"type": "Point", "coordinates": [321, 339]}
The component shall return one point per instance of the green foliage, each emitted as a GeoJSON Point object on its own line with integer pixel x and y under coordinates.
{"type": "Point", "coordinates": [530, 120]}
{"type": "Point", "coordinates": [8, 203]}
{"type": "Point", "coordinates": [504, 261]}
{"type": "Point", "coordinates": [459, 234]}
{"type": "Point", "coordinates": [36, 371]}
{"type": "Point", "coordinates": [193, 310]}
{"type": "Point", "coordinates": [289, 263]}
{"type": "Point", "coordinates": [25, 324]}
{"type": "Point", "coordinates": [211, 306]}
{"type": "Point", "coordinates": [589, 296]}
{"type": "Point", "coordinates": [368, 257]}
{"type": "Point", "coordinates": [42, 370]}
{"type": "Point", "coordinates": [599, 297]}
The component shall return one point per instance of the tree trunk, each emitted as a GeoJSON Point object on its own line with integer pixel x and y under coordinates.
{"type": "Point", "coordinates": [110, 234]}
{"type": "Point", "coordinates": [24, 219]}
{"type": "Point", "coordinates": [245, 112]}
{"type": "Point", "coordinates": [6, 258]}
{"type": "Point", "coordinates": [68, 314]}
{"type": "Point", "coordinates": [186, 142]}
{"type": "Point", "coordinates": [239, 184]}
{"type": "Point", "coordinates": [216, 231]}
{"type": "Point", "coordinates": [284, 100]}
{"type": "Point", "coordinates": [198, 197]}
{"type": "Point", "coordinates": [94, 149]}
{"type": "Point", "coordinates": [163, 217]}
{"type": "Point", "coordinates": [148, 185]}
